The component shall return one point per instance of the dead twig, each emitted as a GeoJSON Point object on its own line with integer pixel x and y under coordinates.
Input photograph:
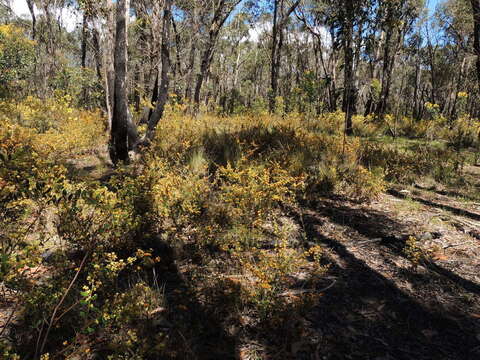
{"type": "Point", "coordinates": [9, 319]}
{"type": "Point", "coordinates": [306, 291]}
{"type": "Point", "coordinates": [52, 318]}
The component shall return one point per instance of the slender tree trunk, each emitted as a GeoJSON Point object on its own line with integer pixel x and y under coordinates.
{"type": "Point", "coordinates": [205, 64]}
{"type": "Point", "coordinates": [84, 42]}
{"type": "Point", "coordinates": [31, 8]}
{"type": "Point", "coordinates": [119, 132]}
{"type": "Point", "coordinates": [370, 105]}
{"type": "Point", "coordinates": [418, 74]}
{"type": "Point", "coordinates": [109, 45]}
{"type": "Point", "coordinates": [279, 22]}
{"type": "Point", "coordinates": [274, 65]}
{"type": "Point", "coordinates": [349, 91]}
{"type": "Point", "coordinates": [165, 76]}
{"type": "Point", "coordinates": [97, 53]}
{"type": "Point", "coordinates": [83, 60]}
{"type": "Point", "coordinates": [191, 59]}
{"type": "Point", "coordinates": [476, 32]}
{"type": "Point", "coordinates": [178, 66]}
{"type": "Point", "coordinates": [386, 75]}
{"type": "Point", "coordinates": [222, 12]}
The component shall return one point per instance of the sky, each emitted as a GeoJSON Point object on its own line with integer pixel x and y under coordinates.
{"type": "Point", "coordinates": [69, 17]}
{"type": "Point", "coordinates": [432, 4]}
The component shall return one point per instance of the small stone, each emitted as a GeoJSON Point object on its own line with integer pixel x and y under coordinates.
{"type": "Point", "coordinates": [425, 236]}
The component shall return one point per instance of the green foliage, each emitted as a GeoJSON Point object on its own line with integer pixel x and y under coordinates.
{"type": "Point", "coordinates": [80, 84]}
{"type": "Point", "coordinates": [16, 58]}
{"type": "Point", "coordinates": [405, 165]}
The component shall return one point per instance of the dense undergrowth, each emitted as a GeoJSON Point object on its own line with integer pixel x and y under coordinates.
{"type": "Point", "coordinates": [85, 260]}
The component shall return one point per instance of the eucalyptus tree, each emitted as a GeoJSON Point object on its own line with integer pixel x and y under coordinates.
{"type": "Point", "coordinates": [119, 143]}
{"type": "Point", "coordinates": [124, 136]}
{"type": "Point", "coordinates": [396, 18]}
{"type": "Point", "coordinates": [281, 13]}
{"type": "Point", "coordinates": [476, 35]}
{"type": "Point", "coordinates": [221, 10]}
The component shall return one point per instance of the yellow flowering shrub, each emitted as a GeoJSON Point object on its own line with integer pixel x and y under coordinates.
{"type": "Point", "coordinates": [412, 251]}
{"type": "Point", "coordinates": [270, 273]}
{"type": "Point", "coordinates": [56, 128]}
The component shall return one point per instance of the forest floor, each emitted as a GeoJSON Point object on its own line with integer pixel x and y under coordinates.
{"type": "Point", "coordinates": [383, 307]}
{"type": "Point", "coordinates": [377, 304]}
{"type": "Point", "coordinates": [380, 305]}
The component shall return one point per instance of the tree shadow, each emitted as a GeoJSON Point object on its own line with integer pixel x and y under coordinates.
{"type": "Point", "coordinates": [453, 210]}
{"type": "Point", "coordinates": [193, 330]}
{"type": "Point", "coordinates": [366, 316]}
{"type": "Point", "coordinates": [450, 193]}
{"type": "Point", "coordinates": [392, 235]}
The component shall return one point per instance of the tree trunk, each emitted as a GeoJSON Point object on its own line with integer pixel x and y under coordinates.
{"type": "Point", "coordinates": [274, 65]}
{"type": "Point", "coordinates": [119, 133]}
{"type": "Point", "coordinates": [109, 46]}
{"type": "Point", "coordinates": [97, 53]}
{"type": "Point", "coordinates": [279, 21]}
{"type": "Point", "coordinates": [476, 32]}
{"type": "Point", "coordinates": [386, 75]}
{"type": "Point", "coordinates": [178, 65]}
{"type": "Point", "coordinates": [222, 12]}
{"type": "Point", "coordinates": [84, 42]}
{"type": "Point", "coordinates": [191, 59]}
{"type": "Point", "coordinates": [31, 8]}
{"type": "Point", "coordinates": [348, 91]}
{"type": "Point", "coordinates": [165, 77]}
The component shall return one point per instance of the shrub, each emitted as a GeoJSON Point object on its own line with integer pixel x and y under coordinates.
{"type": "Point", "coordinates": [16, 57]}
{"type": "Point", "coordinates": [55, 127]}
{"type": "Point", "coordinates": [464, 133]}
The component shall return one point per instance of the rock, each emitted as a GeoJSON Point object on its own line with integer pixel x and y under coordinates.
{"type": "Point", "coordinates": [426, 236]}
{"type": "Point", "coordinates": [405, 192]}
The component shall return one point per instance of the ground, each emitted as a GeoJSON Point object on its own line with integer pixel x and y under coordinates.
{"type": "Point", "coordinates": [375, 303]}
{"type": "Point", "coordinates": [382, 307]}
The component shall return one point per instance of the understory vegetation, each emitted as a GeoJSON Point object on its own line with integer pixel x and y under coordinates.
{"type": "Point", "coordinates": [216, 196]}
{"type": "Point", "coordinates": [239, 179]}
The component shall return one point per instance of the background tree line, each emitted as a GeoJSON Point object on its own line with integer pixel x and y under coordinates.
{"type": "Point", "coordinates": [368, 57]}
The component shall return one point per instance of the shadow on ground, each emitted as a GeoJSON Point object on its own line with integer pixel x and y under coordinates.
{"type": "Point", "coordinates": [366, 316]}
{"type": "Point", "coordinates": [453, 210]}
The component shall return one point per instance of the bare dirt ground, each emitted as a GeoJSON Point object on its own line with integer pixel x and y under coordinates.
{"type": "Point", "coordinates": [384, 307]}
